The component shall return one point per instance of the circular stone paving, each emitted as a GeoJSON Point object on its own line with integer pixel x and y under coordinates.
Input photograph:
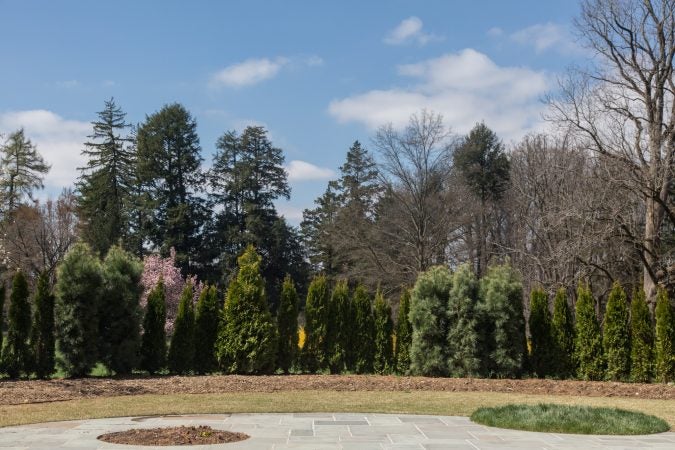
{"type": "Point", "coordinates": [322, 431]}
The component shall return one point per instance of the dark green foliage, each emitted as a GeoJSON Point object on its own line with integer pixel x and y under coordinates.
{"type": "Point", "coordinates": [665, 338]}
{"type": "Point", "coordinates": [120, 312]}
{"type": "Point", "coordinates": [501, 309]}
{"type": "Point", "coordinates": [247, 339]}
{"type": "Point", "coordinates": [588, 338]}
{"type": "Point", "coordinates": [182, 349]}
{"type": "Point", "coordinates": [153, 343]}
{"type": "Point", "coordinates": [287, 322]}
{"type": "Point", "coordinates": [78, 288]}
{"type": "Point", "coordinates": [542, 355]}
{"type": "Point", "coordinates": [206, 330]}
{"type": "Point", "coordinates": [403, 334]}
{"type": "Point", "coordinates": [364, 331]}
{"type": "Point", "coordinates": [2, 312]}
{"type": "Point", "coordinates": [562, 333]}
{"type": "Point", "coordinates": [616, 335]}
{"type": "Point", "coordinates": [337, 336]}
{"type": "Point", "coordinates": [428, 316]}
{"type": "Point", "coordinates": [383, 360]}
{"type": "Point", "coordinates": [463, 339]}
{"type": "Point", "coordinates": [42, 338]}
{"type": "Point", "coordinates": [16, 354]}
{"type": "Point", "coordinates": [641, 339]}
{"type": "Point", "coordinates": [317, 316]}
{"type": "Point", "coordinates": [23, 169]}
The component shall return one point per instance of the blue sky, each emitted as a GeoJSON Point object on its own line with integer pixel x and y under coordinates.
{"type": "Point", "coordinates": [317, 74]}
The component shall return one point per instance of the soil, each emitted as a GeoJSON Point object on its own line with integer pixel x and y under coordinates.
{"type": "Point", "coordinates": [39, 391]}
{"type": "Point", "coordinates": [201, 435]}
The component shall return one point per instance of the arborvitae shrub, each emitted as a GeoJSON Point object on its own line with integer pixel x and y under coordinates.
{"type": "Point", "coordinates": [42, 339]}
{"type": "Point", "coordinates": [616, 335]}
{"type": "Point", "coordinates": [364, 325]}
{"type": "Point", "coordinates": [79, 281]}
{"type": "Point", "coordinates": [206, 330]}
{"type": "Point", "coordinates": [247, 339]}
{"type": "Point", "coordinates": [665, 338]}
{"type": "Point", "coordinates": [317, 316]}
{"type": "Point", "coordinates": [542, 354]}
{"type": "Point", "coordinates": [287, 322]}
{"type": "Point", "coordinates": [384, 329]}
{"type": "Point", "coordinates": [463, 340]}
{"type": "Point", "coordinates": [153, 342]}
{"type": "Point", "coordinates": [16, 354]}
{"type": "Point", "coordinates": [503, 322]}
{"type": "Point", "coordinates": [562, 333]}
{"type": "Point", "coordinates": [588, 341]}
{"type": "Point", "coordinates": [403, 334]}
{"type": "Point", "coordinates": [337, 337]}
{"type": "Point", "coordinates": [182, 349]}
{"type": "Point", "coordinates": [120, 312]}
{"type": "Point", "coordinates": [428, 316]}
{"type": "Point", "coordinates": [2, 323]}
{"type": "Point", "coordinates": [641, 339]}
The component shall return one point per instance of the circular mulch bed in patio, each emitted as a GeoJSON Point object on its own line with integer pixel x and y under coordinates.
{"type": "Point", "coordinates": [201, 435]}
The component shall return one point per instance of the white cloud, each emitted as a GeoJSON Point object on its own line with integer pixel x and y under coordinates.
{"type": "Point", "coordinates": [546, 36]}
{"type": "Point", "coordinates": [303, 171]}
{"type": "Point", "coordinates": [293, 214]}
{"type": "Point", "coordinates": [59, 140]}
{"type": "Point", "coordinates": [313, 61]}
{"type": "Point", "coordinates": [249, 72]}
{"type": "Point", "coordinates": [410, 30]}
{"type": "Point", "coordinates": [466, 87]}
{"type": "Point", "coordinates": [495, 32]}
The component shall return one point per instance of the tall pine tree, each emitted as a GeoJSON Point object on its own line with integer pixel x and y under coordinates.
{"type": "Point", "coordinates": [43, 339]}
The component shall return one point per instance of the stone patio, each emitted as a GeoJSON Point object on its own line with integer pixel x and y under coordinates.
{"type": "Point", "coordinates": [323, 431]}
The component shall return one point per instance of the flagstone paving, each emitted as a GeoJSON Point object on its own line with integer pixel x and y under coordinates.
{"type": "Point", "coordinates": [323, 431]}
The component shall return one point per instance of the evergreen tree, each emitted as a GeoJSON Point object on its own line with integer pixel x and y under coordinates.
{"type": "Point", "coordinates": [616, 335]}
{"type": "Point", "coordinates": [364, 331]}
{"type": "Point", "coordinates": [665, 338]}
{"type": "Point", "coordinates": [42, 338]}
{"type": "Point", "coordinates": [543, 355]}
{"type": "Point", "coordinates": [2, 312]}
{"type": "Point", "coordinates": [247, 340]}
{"type": "Point", "coordinates": [317, 316]}
{"type": "Point", "coordinates": [182, 349]}
{"type": "Point", "coordinates": [317, 230]}
{"type": "Point", "coordinates": [588, 341]}
{"type": "Point", "coordinates": [384, 329]}
{"type": "Point", "coordinates": [403, 334]}
{"type": "Point", "coordinates": [428, 316]}
{"type": "Point", "coordinates": [641, 339]}
{"type": "Point", "coordinates": [206, 330]}
{"type": "Point", "coordinates": [107, 182]}
{"type": "Point", "coordinates": [562, 331]}
{"type": "Point", "coordinates": [463, 339]}
{"type": "Point", "coordinates": [503, 322]}
{"type": "Point", "coordinates": [287, 322]}
{"type": "Point", "coordinates": [78, 292]}
{"type": "Point", "coordinates": [16, 354]}
{"type": "Point", "coordinates": [337, 335]}
{"type": "Point", "coordinates": [153, 342]}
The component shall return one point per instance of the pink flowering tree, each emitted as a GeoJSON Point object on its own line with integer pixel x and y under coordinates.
{"type": "Point", "coordinates": [156, 267]}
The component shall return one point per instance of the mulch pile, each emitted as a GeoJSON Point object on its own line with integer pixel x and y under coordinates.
{"type": "Point", "coordinates": [36, 391]}
{"type": "Point", "coordinates": [201, 435]}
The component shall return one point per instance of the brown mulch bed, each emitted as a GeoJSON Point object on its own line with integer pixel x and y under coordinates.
{"type": "Point", "coordinates": [201, 435]}
{"type": "Point", "coordinates": [37, 391]}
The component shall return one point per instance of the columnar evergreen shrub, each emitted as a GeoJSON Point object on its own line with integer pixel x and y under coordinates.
{"type": "Point", "coordinates": [616, 335]}
{"type": "Point", "coordinates": [317, 316]}
{"type": "Point", "coordinates": [542, 354]}
{"type": "Point", "coordinates": [206, 330]}
{"type": "Point", "coordinates": [403, 334]}
{"type": "Point", "coordinates": [16, 354]}
{"type": "Point", "coordinates": [503, 322]}
{"type": "Point", "coordinates": [247, 339]}
{"type": "Point", "coordinates": [182, 349]}
{"type": "Point", "coordinates": [588, 341]}
{"type": "Point", "coordinates": [384, 329]}
{"type": "Point", "coordinates": [463, 339]}
{"type": "Point", "coordinates": [42, 337]}
{"type": "Point", "coordinates": [665, 338]}
{"type": "Point", "coordinates": [78, 291]}
{"type": "Point", "coordinates": [337, 336]}
{"type": "Point", "coordinates": [428, 316]}
{"type": "Point", "coordinates": [641, 339]}
{"type": "Point", "coordinates": [2, 310]}
{"type": "Point", "coordinates": [153, 342]}
{"type": "Point", "coordinates": [562, 331]}
{"type": "Point", "coordinates": [287, 322]}
{"type": "Point", "coordinates": [119, 311]}
{"type": "Point", "coordinates": [364, 327]}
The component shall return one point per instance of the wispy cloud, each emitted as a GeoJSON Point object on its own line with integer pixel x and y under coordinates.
{"type": "Point", "coordinates": [545, 37]}
{"type": "Point", "coordinates": [410, 30]}
{"type": "Point", "coordinates": [256, 70]}
{"type": "Point", "coordinates": [303, 171]}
